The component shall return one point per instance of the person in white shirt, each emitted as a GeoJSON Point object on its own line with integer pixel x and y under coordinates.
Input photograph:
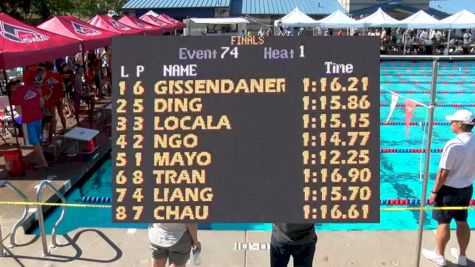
{"type": "Point", "coordinates": [453, 187]}
{"type": "Point", "coordinates": [424, 36]}
{"type": "Point", "coordinates": [438, 36]}
{"type": "Point", "coordinates": [172, 242]}
{"type": "Point", "coordinates": [467, 38]}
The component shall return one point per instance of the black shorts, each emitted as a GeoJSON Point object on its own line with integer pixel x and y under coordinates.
{"type": "Point", "coordinates": [452, 197]}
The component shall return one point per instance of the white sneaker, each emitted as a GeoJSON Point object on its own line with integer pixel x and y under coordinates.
{"type": "Point", "coordinates": [434, 257]}
{"type": "Point", "coordinates": [460, 260]}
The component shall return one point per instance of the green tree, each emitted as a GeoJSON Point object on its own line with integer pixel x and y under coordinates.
{"type": "Point", "coordinates": [16, 8]}
{"type": "Point", "coordinates": [89, 8]}
{"type": "Point", "coordinates": [28, 10]}
{"type": "Point", "coordinates": [49, 8]}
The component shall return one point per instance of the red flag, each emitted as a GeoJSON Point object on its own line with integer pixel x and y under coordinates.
{"type": "Point", "coordinates": [409, 110]}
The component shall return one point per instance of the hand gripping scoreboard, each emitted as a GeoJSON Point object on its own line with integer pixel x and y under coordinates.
{"type": "Point", "coordinates": [246, 129]}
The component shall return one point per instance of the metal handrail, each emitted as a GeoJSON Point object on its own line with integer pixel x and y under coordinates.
{"type": "Point", "coordinates": [41, 221]}
{"type": "Point", "coordinates": [22, 218]}
{"type": "Point", "coordinates": [2, 250]}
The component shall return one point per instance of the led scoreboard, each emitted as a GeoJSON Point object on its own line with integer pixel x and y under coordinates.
{"type": "Point", "coordinates": [246, 129]}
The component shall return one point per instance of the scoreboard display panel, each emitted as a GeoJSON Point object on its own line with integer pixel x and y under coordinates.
{"type": "Point", "coordinates": [246, 129]}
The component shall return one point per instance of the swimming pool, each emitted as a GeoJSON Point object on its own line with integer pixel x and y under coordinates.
{"type": "Point", "coordinates": [400, 175]}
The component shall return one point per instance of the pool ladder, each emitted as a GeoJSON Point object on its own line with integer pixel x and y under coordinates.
{"type": "Point", "coordinates": [41, 222]}
{"type": "Point", "coordinates": [18, 223]}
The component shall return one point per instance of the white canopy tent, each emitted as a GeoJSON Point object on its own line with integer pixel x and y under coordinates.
{"type": "Point", "coordinates": [339, 20]}
{"type": "Point", "coordinates": [296, 18]}
{"type": "Point", "coordinates": [421, 20]}
{"type": "Point", "coordinates": [379, 19]}
{"type": "Point", "coordinates": [461, 20]}
{"type": "Point", "coordinates": [150, 13]}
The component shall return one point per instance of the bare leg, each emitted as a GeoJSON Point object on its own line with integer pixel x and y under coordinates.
{"type": "Point", "coordinates": [77, 106]}
{"type": "Point", "coordinates": [463, 236]}
{"type": "Point", "coordinates": [41, 160]}
{"type": "Point", "coordinates": [59, 108]}
{"type": "Point", "coordinates": [442, 237]}
{"type": "Point", "coordinates": [159, 262]}
{"type": "Point", "coordinates": [52, 128]}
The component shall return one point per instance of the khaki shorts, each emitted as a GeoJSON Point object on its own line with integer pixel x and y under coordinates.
{"type": "Point", "coordinates": [177, 254]}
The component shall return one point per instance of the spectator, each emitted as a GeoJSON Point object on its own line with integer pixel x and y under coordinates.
{"type": "Point", "coordinates": [424, 36]}
{"type": "Point", "coordinates": [172, 242]}
{"type": "Point", "coordinates": [68, 77]}
{"type": "Point", "coordinates": [453, 187]}
{"type": "Point", "coordinates": [29, 74]}
{"type": "Point", "coordinates": [292, 239]}
{"type": "Point", "coordinates": [467, 38]}
{"type": "Point", "coordinates": [28, 98]}
{"type": "Point", "coordinates": [438, 36]}
{"type": "Point", "coordinates": [53, 92]}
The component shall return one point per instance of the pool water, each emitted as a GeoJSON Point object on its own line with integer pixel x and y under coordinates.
{"type": "Point", "coordinates": [400, 175]}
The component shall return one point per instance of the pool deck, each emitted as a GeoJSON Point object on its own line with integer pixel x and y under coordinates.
{"type": "Point", "coordinates": [129, 247]}
{"type": "Point", "coordinates": [63, 171]}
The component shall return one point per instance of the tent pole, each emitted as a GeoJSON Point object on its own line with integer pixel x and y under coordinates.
{"type": "Point", "coordinates": [427, 161]}
{"type": "Point", "coordinates": [83, 63]}
{"type": "Point", "coordinates": [404, 36]}
{"type": "Point", "coordinates": [9, 93]}
{"type": "Point", "coordinates": [446, 52]}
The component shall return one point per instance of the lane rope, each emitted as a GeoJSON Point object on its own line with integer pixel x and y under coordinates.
{"type": "Point", "coordinates": [425, 208]}
{"type": "Point", "coordinates": [409, 150]}
{"type": "Point", "coordinates": [110, 206]}
{"type": "Point", "coordinates": [390, 74]}
{"type": "Point", "coordinates": [437, 105]}
{"type": "Point", "coordinates": [428, 92]}
{"type": "Point", "coordinates": [413, 123]}
{"type": "Point", "coordinates": [427, 82]}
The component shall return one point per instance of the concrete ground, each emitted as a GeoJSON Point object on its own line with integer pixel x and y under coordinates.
{"type": "Point", "coordinates": [129, 247]}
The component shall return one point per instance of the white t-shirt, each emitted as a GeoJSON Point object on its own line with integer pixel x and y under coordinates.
{"type": "Point", "coordinates": [458, 156]}
{"type": "Point", "coordinates": [166, 234]}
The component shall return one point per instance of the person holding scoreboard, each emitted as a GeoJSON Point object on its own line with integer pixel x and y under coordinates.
{"type": "Point", "coordinates": [292, 239]}
{"type": "Point", "coordinates": [172, 242]}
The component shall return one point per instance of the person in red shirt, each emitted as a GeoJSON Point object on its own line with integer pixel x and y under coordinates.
{"type": "Point", "coordinates": [29, 74]}
{"type": "Point", "coordinates": [53, 89]}
{"type": "Point", "coordinates": [29, 100]}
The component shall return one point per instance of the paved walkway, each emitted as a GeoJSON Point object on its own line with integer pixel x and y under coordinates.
{"type": "Point", "coordinates": [128, 247]}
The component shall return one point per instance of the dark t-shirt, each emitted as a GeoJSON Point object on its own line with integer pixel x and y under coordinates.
{"type": "Point", "coordinates": [293, 233]}
{"type": "Point", "coordinates": [68, 77]}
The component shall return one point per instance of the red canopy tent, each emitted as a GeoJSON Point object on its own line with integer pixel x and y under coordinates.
{"type": "Point", "coordinates": [136, 23]}
{"type": "Point", "coordinates": [178, 24]}
{"type": "Point", "coordinates": [70, 26]}
{"type": "Point", "coordinates": [157, 22]}
{"type": "Point", "coordinates": [107, 23]}
{"type": "Point", "coordinates": [22, 44]}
